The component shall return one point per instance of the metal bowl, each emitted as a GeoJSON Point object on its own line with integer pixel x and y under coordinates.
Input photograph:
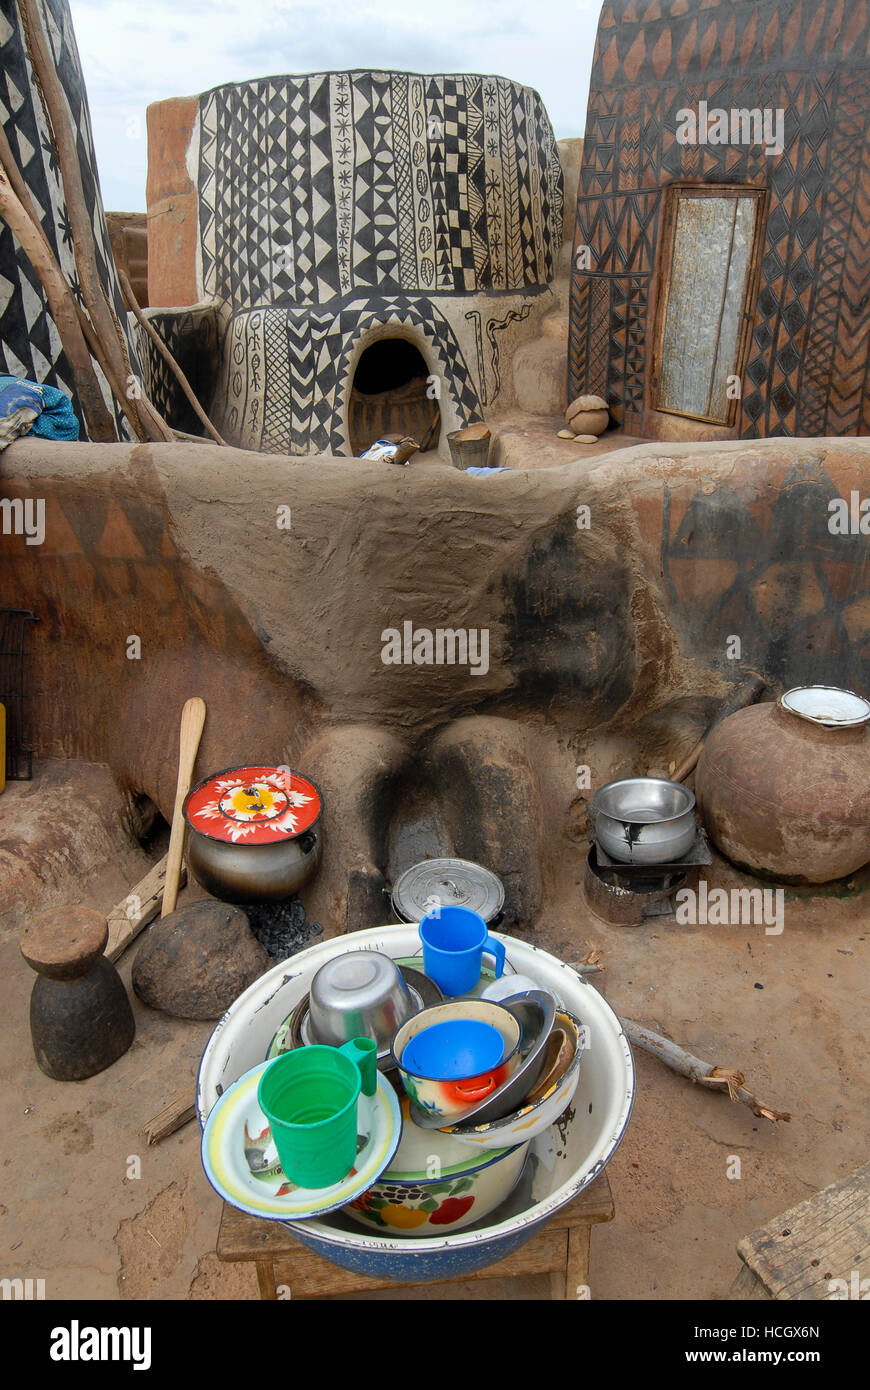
{"type": "Point", "coordinates": [295, 1030]}
{"type": "Point", "coordinates": [361, 994]}
{"type": "Point", "coordinates": [644, 820]}
{"type": "Point", "coordinates": [537, 1112]}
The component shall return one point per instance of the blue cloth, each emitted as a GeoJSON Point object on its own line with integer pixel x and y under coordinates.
{"type": "Point", "coordinates": [55, 417]}
{"type": "Point", "coordinates": [485, 472]}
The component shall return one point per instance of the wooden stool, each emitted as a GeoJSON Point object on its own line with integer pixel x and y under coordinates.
{"type": "Point", "coordinates": [817, 1250]}
{"type": "Point", "coordinates": [80, 1017]}
{"type": "Point", "coordinates": [560, 1249]}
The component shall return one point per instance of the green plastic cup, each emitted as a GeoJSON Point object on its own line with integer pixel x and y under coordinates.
{"type": "Point", "coordinates": [310, 1098]}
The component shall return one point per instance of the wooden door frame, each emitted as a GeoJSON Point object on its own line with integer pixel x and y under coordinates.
{"type": "Point", "coordinates": [672, 195]}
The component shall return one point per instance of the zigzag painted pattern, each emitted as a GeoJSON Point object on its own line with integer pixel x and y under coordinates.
{"type": "Point", "coordinates": [256, 175]}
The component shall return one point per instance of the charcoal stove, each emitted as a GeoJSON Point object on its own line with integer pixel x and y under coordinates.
{"type": "Point", "coordinates": [629, 894]}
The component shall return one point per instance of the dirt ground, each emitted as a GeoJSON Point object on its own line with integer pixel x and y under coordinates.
{"type": "Point", "coordinates": [93, 1211]}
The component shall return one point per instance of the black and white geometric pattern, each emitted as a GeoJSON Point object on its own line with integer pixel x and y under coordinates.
{"type": "Point", "coordinates": [286, 371]}
{"type": "Point", "coordinates": [191, 335]}
{"type": "Point", "coordinates": [323, 185]}
{"type": "Point", "coordinates": [30, 345]}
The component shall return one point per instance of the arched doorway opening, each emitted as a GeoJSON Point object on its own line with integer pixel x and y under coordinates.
{"type": "Point", "coordinates": [390, 394]}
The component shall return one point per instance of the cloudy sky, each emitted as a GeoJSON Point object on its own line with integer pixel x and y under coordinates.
{"type": "Point", "coordinates": [133, 54]}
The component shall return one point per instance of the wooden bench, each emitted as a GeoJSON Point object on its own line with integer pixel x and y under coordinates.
{"type": "Point", "coordinates": [817, 1250]}
{"type": "Point", "coordinates": [561, 1249]}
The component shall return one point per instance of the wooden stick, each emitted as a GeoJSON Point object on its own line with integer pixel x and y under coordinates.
{"type": "Point", "coordinates": [177, 1113]}
{"type": "Point", "coordinates": [749, 692]}
{"type": "Point", "coordinates": [430, 433]}
{"type": "Point", "coordinates": [22, 222]}
{"type": "Point", "coordinates": [106, 328]}
{"type": "Point", "coordinates": [133, 305]}
{"type": "Point", "coordinates": [695, 1070]}
{"type": "Point", "coordinates": [131, 916]}
{"type": "Point", "coordinates": [192, 721]}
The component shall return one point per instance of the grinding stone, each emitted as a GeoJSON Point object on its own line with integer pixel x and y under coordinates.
{"type": "Point", "coordinates": [198, 960]}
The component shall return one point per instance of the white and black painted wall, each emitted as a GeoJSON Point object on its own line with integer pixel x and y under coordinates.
{"type": "Point", "coordinates": [336, 209]}
{"type": "Point", "coordinates": [30, 345]}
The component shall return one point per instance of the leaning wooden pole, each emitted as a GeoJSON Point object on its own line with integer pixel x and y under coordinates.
{"type": "Point", "coordinates": [105, 324]}
{"type": "Point", "coordinates": [133, 306]}
{"type": "Point", "coordinates": [18, 213]}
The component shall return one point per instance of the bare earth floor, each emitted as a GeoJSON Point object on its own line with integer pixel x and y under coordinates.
{"type": "Point", "coordinates": [71, 1214]}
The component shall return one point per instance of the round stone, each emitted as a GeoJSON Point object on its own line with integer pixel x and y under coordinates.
{"type": "Point", "coordinates": [196, 961]}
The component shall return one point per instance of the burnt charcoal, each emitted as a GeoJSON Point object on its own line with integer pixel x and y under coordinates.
{"type": "Point", "coordinates": [282, 928]}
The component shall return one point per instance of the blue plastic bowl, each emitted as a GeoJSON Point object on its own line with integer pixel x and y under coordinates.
{"type": "Point", "coordinates": [453, 1051]}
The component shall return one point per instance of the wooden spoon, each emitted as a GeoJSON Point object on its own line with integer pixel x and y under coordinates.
{"type": "Point", "coordinates": [192, 721]}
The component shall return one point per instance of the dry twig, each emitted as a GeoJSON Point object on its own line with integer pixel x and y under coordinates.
{"type": "Point", "coordinates": [700, 1072]}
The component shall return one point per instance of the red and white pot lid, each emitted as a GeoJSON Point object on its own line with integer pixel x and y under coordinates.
{"type": "Point", "coordinates": [253, 805]}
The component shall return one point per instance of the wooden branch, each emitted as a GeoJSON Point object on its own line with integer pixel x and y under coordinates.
{"type": "Point", "coordinates": [173, 1116]}
{"type": "Point", "coordinates": [749, 692]}
{"type": "Point", "coordinates": [129, 917]}
{"type": "Point", "coordinates": [702, 1073]}
{"type": "Point", "coordinates": [117, 384]}
{"type": "Point", "coordinates": [133, 305]}
{"type": "Point", "coordinates": [107, 331]}
{"type": "Point", "coordinates": [16, 209]}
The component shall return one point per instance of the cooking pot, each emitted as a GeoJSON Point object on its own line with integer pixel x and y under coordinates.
{"type": "Point", "coordinates": [252, 833]}
{"type": "Point", "coordinates": [644, 820]}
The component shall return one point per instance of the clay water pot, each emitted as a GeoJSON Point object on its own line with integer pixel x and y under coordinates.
{"type": "Point", "coordinates": [785, 797]}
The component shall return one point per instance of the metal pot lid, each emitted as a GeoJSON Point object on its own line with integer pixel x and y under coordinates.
{"type": "Point", "coordinates": [448, 883]}
{"type": "Point", "coordinates": [827, 705]}
{"type": "Point", "coordinates": [253, 805]}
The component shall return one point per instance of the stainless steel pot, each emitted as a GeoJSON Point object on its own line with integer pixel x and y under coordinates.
{"type": "Point", "coordinates": [644, 820]}
{"type": "Point", "coordinates": [249, 873]}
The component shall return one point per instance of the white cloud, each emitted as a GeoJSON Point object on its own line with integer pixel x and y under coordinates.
{"type": "Point", "coordinates": [133, 55]}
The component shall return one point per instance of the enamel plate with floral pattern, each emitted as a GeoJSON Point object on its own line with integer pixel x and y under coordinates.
{"type": "Point", "coordinates": [242, 1165]}
{"type": "Point", "coordinates": [253, 805]}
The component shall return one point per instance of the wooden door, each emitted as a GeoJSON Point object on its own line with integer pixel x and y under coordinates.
{"type": "Point", "coordinates": [709, 264]}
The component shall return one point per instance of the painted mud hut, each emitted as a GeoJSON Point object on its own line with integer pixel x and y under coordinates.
{"type": "Point", "coordinates": [355, 234]}
{"type": "Point", "coordinates": [720, 279]}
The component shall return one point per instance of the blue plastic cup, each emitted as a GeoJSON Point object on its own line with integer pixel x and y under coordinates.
{"type": "Point", "coordinates": [455, 940]}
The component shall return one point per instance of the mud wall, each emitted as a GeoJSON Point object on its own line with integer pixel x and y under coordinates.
{"type": "Point", "coordinates": [306, 608]}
